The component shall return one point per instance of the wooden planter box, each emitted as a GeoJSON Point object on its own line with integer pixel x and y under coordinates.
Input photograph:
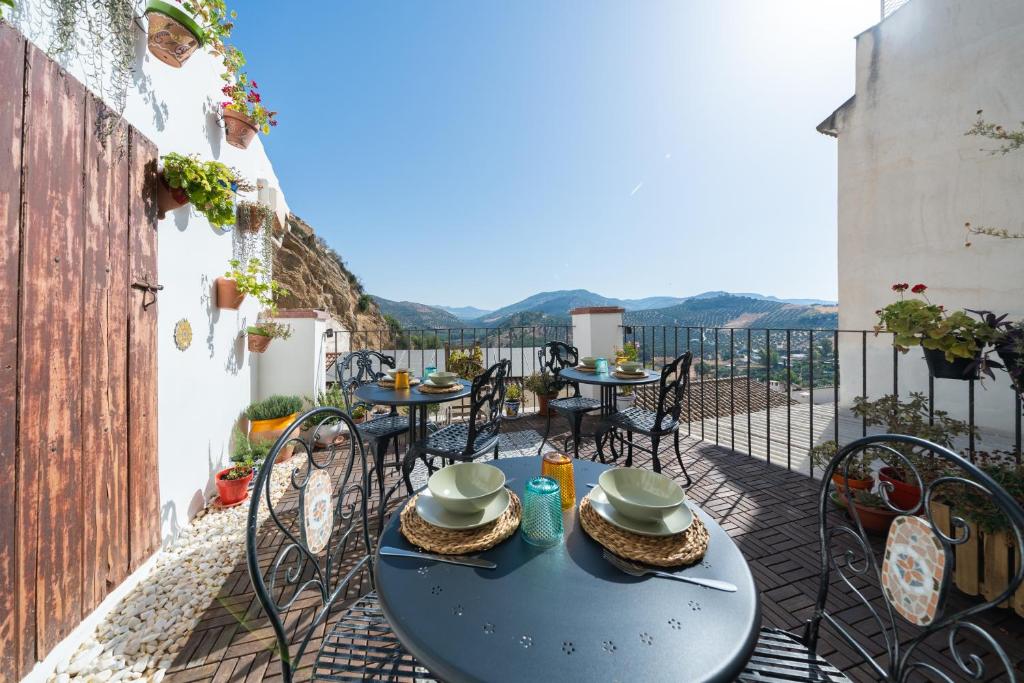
{"type": "Point", "coordinates": [985, 563]}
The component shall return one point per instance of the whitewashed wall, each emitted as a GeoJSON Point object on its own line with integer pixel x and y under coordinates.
{"type": "Point", "coordinates": [909, 179]}
{"type": "Point", "coordinates": [203, 390]}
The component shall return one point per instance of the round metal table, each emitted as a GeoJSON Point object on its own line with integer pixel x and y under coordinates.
{"type": "Point", "coordinates": [564, 613]}
{"type": "Point", "coordinates": [608, 383]}
{"type": "Point", "coordinates": [414, 399]}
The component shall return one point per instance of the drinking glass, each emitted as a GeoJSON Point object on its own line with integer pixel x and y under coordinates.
{"type": "Point", "coordinates": [401, 380]}
{"type": "Point", "coordinates": [428, 371]}
{"type": "Point", "coordinates": [601, 366]}
{"type": "Point", "coordinates": [558, 466]}
{"type": "Point", "coordinates": [542, 513]}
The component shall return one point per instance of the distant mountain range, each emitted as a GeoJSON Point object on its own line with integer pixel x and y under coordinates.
{"type": "Point", "coordinates": [709, 309]}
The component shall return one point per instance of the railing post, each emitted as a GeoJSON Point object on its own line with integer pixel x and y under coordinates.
{"type": "Point", "coordinates": [597, 331]}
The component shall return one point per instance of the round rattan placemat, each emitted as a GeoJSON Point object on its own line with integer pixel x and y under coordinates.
{"type": "Point", "coordinates": [584, 368]}
{"type": "Point", "coordinates": [666, 551]}
{"type": "Point", "coordinates": [390, 383]}
{"type": "Point", "coordinates": [459, 542]}
{"type": "Point", "coordinates": [428, 389]}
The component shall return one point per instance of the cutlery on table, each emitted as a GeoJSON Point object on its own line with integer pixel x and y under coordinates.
{"type": "Point", "coordinates": [634, 569]}
{"type": "Point", "coordinates": [463, 560]}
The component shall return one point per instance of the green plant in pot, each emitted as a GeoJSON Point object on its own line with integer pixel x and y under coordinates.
{"type": "Point", "coordinates": [543, 386]}
{"type": "Point", "coordinates": [208, 185]}
{"type": "Point", "coordinates": [860, 477]}
{"type": "Point", "coordinates": [911, 418]}
{"type": "Point", "coordinates": [326, 429]}
{"type": "Point", "coordinates": [1008, 343]}
{"type": "Point", "coordinates": [873, 513]}
{"type": "Point", "coordinates": [265, 331]}
{"type": "Point", "coordinates": [466, 363]}
{"type": "Point", "coordinates": [952, 340]}
{"type": "Point", "coordinates": [513, 399]}
{"type": "Point", "coordinates": [252, 278]}
{"type": "Point", "coordinates": [976, 506]}
{"type": "Point", "coordinates": [175, 33]}
{"type": "Point", "coordinates": [244, 112]}
{"type": "Point", "coordinates": [233, 482]}
{"type": "Point", "coordinates": [272, 417]}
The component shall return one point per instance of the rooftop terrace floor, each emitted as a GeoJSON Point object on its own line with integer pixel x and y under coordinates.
{"type": "Point", "coordinates": [770, 512]}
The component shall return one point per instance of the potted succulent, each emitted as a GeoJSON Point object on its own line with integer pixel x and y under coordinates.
{"type": "Point", "coordinates": [859, 479]}
{"type": "Point", "coordinates": [874, 514]}
{"type": "Point", "coordinates": [243, 111]}
{"type": "Point", "coordinates": [513, 400]}
{"type": "Point", "coordinates": [952, 341]}
{"type": "Point", "coordinates": [913, 419]}
{"type": "Point", "coordinates": [543, 386]}
{"type": "Point", "coordinates": [209, 185]}
{"type": "Point", "coordinates": [269, 418]}
{"type": "Point", "coordinates": [265, 331]}
{"type": "Point", "coordinates": [239, 281]}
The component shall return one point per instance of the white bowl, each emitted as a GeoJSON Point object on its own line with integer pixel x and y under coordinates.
{"type": "Point", "coordinates": [391, 372]}
{"type": "Point", "coordinates": [588, 361]}
{"type": "Point", "coordinates": [641, 494]}
{"type": "Point", "coordinates": [630, 366]}
{"type": "Point", "coordinates": [466, 487]}
{"type": "Point", "coordinates": [444, 379]}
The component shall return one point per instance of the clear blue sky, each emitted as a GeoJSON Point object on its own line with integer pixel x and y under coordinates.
{"type": "Point", "coordinates": [630, 148]}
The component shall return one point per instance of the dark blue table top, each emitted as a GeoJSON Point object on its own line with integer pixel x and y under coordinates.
{"type": "Point", "coordinates": [565, 614]}
{"type": "Point", "coordinates": [608, 379]}
{"type": "Point", "coordinates": [379, 396]}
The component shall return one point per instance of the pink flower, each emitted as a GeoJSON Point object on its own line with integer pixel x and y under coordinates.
{"type": "Point", "coordinates": [254, 84]}
{"type": "Point", "coordinates": [254, 96]}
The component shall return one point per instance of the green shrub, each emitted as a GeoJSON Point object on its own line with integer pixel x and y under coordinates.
{"type": "Point", "coordinates": [207, 184]}
{"type": "Point", "coordinates": [364, 303]}
{"type": "Point", "coordinates": [274, 407]}
{"type": "Point", "coordinates": [513, 392]}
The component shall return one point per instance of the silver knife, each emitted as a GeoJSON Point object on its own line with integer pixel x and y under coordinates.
{"type": "Point", "coordinates": [450, 559]}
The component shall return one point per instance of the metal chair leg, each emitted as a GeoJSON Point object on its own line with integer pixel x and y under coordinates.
{"type": "Point", "coordinates": [654, 453]}
{"type": "Point", "coordinates": [679, 457]}
{"type": "Point", "coordinates": [495, 450]}
{"type": "Point", "coordinates": [629, 456]}
{"type": "Point", "coordinates": [547, 431]}
{"type": "Point", "coordinates": [577, 428]}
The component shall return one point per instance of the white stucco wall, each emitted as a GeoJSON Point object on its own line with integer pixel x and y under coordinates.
{"type": "Point", "coordinates": [296, 366]}
{"type": "Point", "coordinates": [909, 179]}
{"type": "Point", "coordinates": [204, 389]}
{"type": "Point", "coordinates": [596, 334]}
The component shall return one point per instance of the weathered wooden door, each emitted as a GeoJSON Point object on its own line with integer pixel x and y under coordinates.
{"type": "Point", "coordinates": [79, 499]}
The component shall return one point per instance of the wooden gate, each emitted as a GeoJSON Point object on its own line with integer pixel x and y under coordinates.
{"type": "Point", "coordinates": [79, 499]}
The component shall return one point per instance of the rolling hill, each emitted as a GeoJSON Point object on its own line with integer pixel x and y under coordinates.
{"type": "Point", "coordinates": [419, 316]}
{"type": "Point", "coordinates": [730, 310]}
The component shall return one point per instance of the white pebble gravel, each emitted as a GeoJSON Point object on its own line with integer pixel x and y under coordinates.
{"type": "Point", "coordinates": [142, 635]}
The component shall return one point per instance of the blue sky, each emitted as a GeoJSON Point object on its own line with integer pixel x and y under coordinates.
{"type": "Point", "coordinates": [630, 148]}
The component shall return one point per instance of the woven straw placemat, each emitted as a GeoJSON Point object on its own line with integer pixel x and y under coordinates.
{"type": "Point", "coordinates": [629, 375]}
{"type": "Point", "coordinates": [459, 542]}
{"type": "Point", "coordinates": [390, 383]}
{"type": "Point", "coordinates": [664, 551]}
{"type": "Point", "coordinates": [428, 389]}
{"type": "Point", "coordinates": [584, 368]}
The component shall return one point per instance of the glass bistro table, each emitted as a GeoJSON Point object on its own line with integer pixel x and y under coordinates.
{"type": "Point", "coordinates": [565, 613]}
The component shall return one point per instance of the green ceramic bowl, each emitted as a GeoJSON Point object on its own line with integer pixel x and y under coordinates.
{"type": "Point", "coordinates": [466, 487]}
{"type": "Point", "coordinates": [443, 379]}
{"type": "Point", "coordinates": [630, 366]}
{"type": "Point", "coordinates": [588, 361]}
{"type": "Point", "coordinates": [641, 494]}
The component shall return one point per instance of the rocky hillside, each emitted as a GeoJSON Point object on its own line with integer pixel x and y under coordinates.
{"type": "Point", "coordinates": [317, 277]}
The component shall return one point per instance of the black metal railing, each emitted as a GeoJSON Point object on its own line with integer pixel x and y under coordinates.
{"type": "Point", "coordinates": [742, 373]}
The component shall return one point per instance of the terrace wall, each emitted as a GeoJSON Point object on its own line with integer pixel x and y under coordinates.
{"type": "Point", "coordinates": [909, 179]}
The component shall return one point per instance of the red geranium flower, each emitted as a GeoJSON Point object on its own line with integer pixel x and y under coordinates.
{"type": "Point", "coordinates": [254, 97]}
{"type": "Point", "coordinates": [918, 289]}
{"type": "Point", "coordinates": [900, 287]}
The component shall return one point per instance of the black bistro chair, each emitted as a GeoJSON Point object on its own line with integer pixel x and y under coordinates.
{"type": "Point", "coordinates": [654, 424]}
{"type": "Point", "coordinates": [323, 560]}
{"type": "Point", "coordinates": [554, 357]}
{"type": "Point", "coordinates": [466, 441]}
{"type": "Point", "coordinates": [899, 590]}
{"type": "Point", "coordinates": [359, 368]}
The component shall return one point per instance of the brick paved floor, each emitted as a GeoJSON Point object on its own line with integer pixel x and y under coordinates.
{"type": "Point", "coordinates": [769, 512]}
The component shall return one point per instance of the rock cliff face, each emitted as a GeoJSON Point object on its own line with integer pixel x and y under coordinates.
{"type": "Point", "coordinates": [316, 277]}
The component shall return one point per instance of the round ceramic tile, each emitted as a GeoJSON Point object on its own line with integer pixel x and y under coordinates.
{"type": "Point", "coordinates": [317, 513]}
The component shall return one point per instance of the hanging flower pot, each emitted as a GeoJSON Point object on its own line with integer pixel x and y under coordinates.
{"type": "Point", "coordinates": [239, 129]}
{"type": "Point", "coordinates": [228, 295]}
{"type": "Point", "coordinates": [169, 198]}
{"type": "Point", "coordinates": [958, 368]}
{"type": "Point", "coordinates": [258, 343]}
{"type": "Point", "coordinates": [173, 35]}
{"type": "Point", "coordinates": [254, 217]}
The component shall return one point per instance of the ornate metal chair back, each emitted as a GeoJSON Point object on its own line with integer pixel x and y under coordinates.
{"type": "Point", "coordinates": [916, 564]}
{"type": "Point", "coordinates": [675, 377]}
{"type": "Point", "coordinates": [485, 402]}
{"type": "Point", "coordinates": [554, 357]}
{"type": "Point", "coordinates": [359, 368]}
{"type": "Point", "coordinates": [323, 539]}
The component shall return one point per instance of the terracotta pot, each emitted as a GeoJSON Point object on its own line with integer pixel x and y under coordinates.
{"type": "Point", "coordinates": [173, 35]}
{"type": "Point", "coordinates": [876, 520]}
{"type": "Point", "coordinates": [959, 368]}
{"type": "Point", "coordinates": [542, 405]}
{"type": "Point", "coordinates": [239, 129]}
{"type": "Point", "coordinates": [250, 217]}
{"type": "Point", "coordinates": [855, 484]}
{"type": "Point", "coordinates": [258, 343]}
{"type": "Point", "coordinates": [903, 495]}
{"type": "Point", "coordinates": [168, 198]}
{"type": "Point", "coordinates": [228, 295]}
{"type": "Point", "coordinates": [232, 491]}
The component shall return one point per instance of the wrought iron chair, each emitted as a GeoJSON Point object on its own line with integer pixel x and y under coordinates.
{"type": "Point", "coordinates": [324, 554]}
{"type": "Point", "coordinates": [912, 578]}
{"type": "Point", "coordinates": [554, 357]}
{"type": "Point", "coordinates": [466, 441]}
{"type": "Point", "coordinates": [354, 370]}
{"type": "Point", "coordinates": [654, 424]}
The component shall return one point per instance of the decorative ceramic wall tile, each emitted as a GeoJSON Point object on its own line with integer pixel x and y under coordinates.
{"type": "Point", "coordinates": [914, 570]}
{"type": "Point", "coordinates": [317, 512]}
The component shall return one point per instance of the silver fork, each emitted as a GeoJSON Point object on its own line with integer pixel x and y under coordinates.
{"type": "Point", "coordinates": [634, 569]}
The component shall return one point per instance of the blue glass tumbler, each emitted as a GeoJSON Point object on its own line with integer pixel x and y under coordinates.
{"type": "Point", "coordinates": [601, 366]}
{"type": "Point", "coordinates": [428, 371]}
{"type": "Point", "coordinates": [542, 512]}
